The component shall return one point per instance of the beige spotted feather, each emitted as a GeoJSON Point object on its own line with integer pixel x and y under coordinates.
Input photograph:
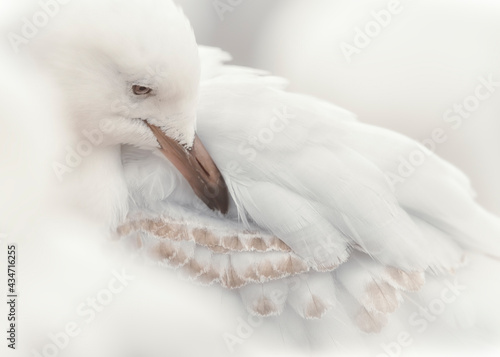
{"type": "Point", "coordinates": [260, 265]}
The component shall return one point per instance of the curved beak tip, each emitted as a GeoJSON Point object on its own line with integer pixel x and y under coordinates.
{"type": "Point", "coordinates": [198, 168]}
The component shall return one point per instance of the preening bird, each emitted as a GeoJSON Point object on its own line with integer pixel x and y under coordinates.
{"type": "Point", "coordinates": [216, 171]}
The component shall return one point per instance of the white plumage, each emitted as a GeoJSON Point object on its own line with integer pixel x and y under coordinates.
{"type": "Point", "coordinates": [320, 186]}
{"type": "Point", "coordinates": [316, 228]}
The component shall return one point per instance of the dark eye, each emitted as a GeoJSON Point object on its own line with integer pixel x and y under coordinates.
{"type": "Point", "coordinates": [141, 90]}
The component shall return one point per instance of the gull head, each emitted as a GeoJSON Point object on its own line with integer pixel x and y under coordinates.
{"type": "Point", "coordinates": [129, 71]}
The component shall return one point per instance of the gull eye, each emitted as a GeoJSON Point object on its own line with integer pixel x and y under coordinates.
{"type": "Point", "coordinates": [141, 90]}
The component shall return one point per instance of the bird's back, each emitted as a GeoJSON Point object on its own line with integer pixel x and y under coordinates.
{"type": "Point", "coordinates": [333, 216]}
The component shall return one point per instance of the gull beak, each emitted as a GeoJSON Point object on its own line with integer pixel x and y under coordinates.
{"type": "Point", "coordinates": [198, 169]}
